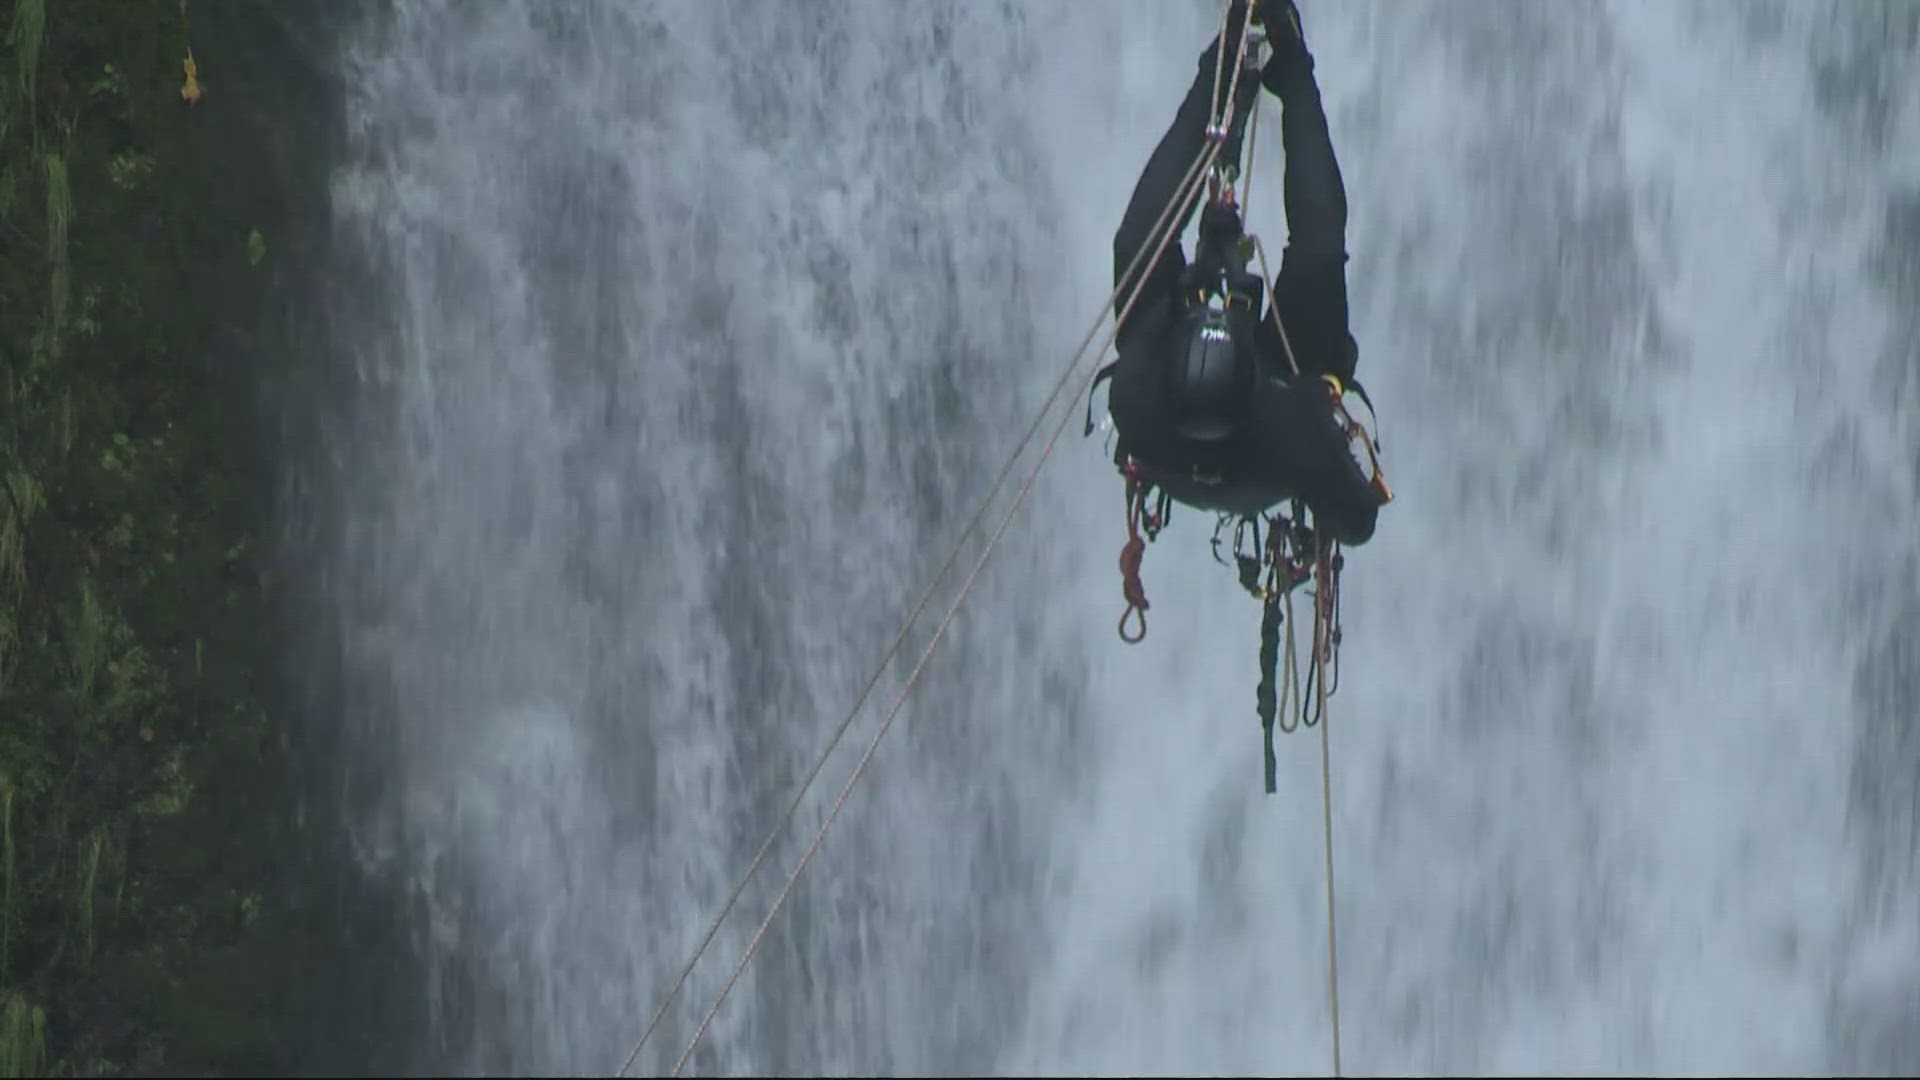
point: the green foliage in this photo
(136, 934)
(130, 168)
(9, 889)
(26, 37)
(23, 1037)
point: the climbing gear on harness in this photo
(1360, 442)
(1210, 384)
(1139, 519)
(1270, 568)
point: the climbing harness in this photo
(1270, 569)
(1146, 516)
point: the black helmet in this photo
(1211, 376)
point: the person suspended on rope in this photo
(1212, 402)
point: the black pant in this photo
(1291, 448)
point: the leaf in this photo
(256, 248)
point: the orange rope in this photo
(1130, 558)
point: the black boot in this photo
(1230, 40)
(1290, 69)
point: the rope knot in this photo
(1135, 592)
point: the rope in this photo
(1267, 705)
(886, 724)
(1184, 197)
(1253, 144)
(1223, 124)
(1286, 343)
(846, 722)
(1130, 557)
(1326, 597)
(1326, 632)
(1291, 719)
(1327, 562)
(866, 758)
(1219, 128)
(1190, 187)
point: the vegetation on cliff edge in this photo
(138, 816)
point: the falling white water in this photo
(1593, 751)
(694, 332)
(681, 337)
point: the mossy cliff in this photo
(150, 222)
